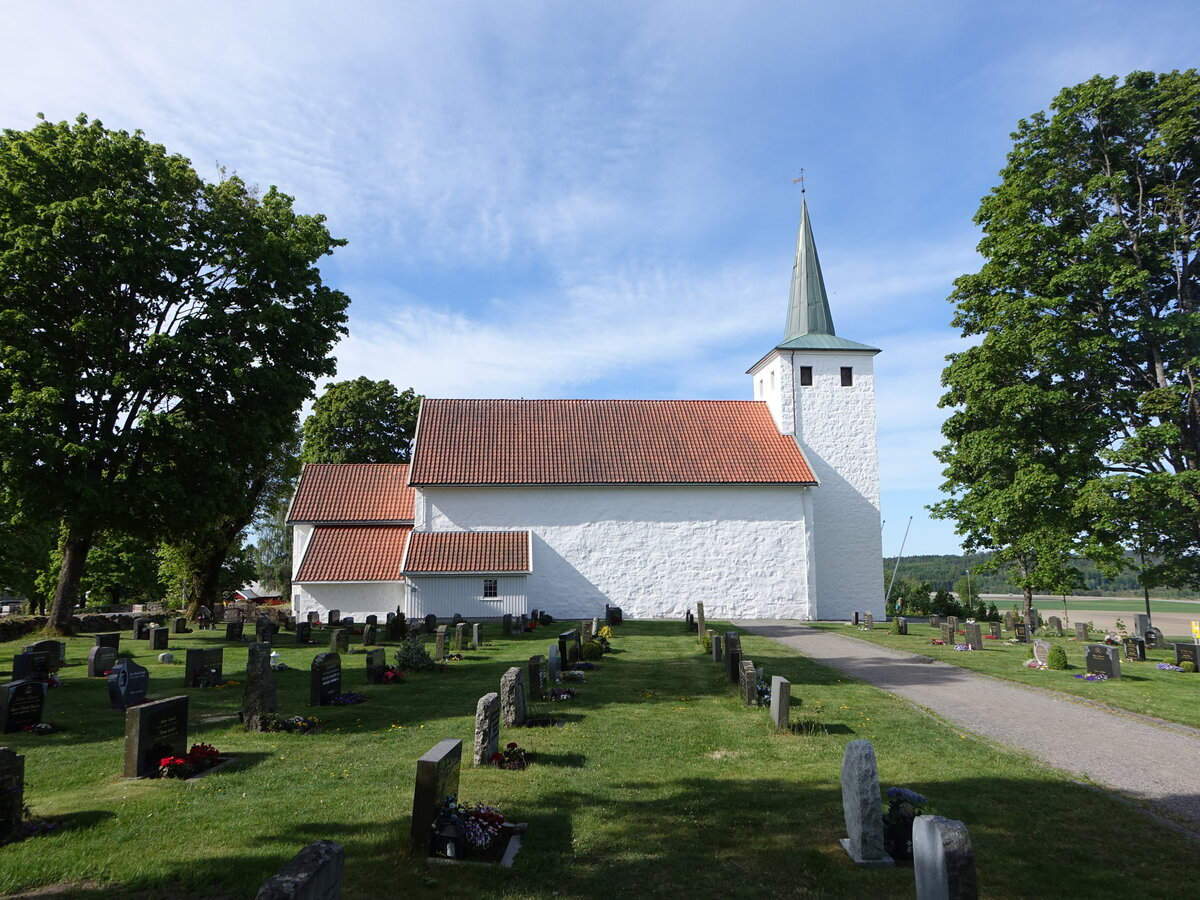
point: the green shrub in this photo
(1057, 658)
(707, 642)
(895, 626)
(412, 656)
(1029, 651)
(592, 651)
(1188, 666)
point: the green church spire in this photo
(808, 308)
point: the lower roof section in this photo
(469, 553)
(354, 553)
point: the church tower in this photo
(820, 389)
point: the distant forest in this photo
(943, 572)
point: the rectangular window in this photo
(847, 376)
(806, 376)
(490, 587)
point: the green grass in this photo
(660, 784)
(1142, 688)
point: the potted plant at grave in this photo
(466, 831)
(903, 807)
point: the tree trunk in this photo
(75, 552)
(1032, 626)
(207, 580)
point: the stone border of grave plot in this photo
(225, 762)
(513, 830)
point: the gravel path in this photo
(1150, 761)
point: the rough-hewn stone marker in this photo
(315, 873)
(733, 656)
(152, 731)
(943, 860)
(749, 683)
(585, 631)
(781, 701)
(1054, 623)
(460, 634)
(487, 729)
(12, 792)
(512, 698)
(869, 621)
(258, 693)
(862, 807)
(437, 776)
(339, 640)
(439, 644)
(701, 627)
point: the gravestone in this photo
(110, 639)
(947, 633)
(12, 792)
(994, 629)
(901, 625)
(974, 635)
(1135, 649)
(234, 630)
(568, 646)
(56, 650)
(689, 621)
(862, 807)
(347, 622)
(372, 619)
(265, 630)
(1081, 631)
(179, 625)
(781, 701)
(289, 623)
(204, 618)
(1009, 620)
(127, 684)
(613, 615)
(1041, 651)
(506, 625)
(334, 619)
(430, 623)
(1141, 622)
(585, 631)
(437, 778)
(439, 644)
(869, 621)
(456, 619)
(368, 635)
(943, 860)
(749, 683)
(1054, 623)
(258, 692)
(701, 627)
(339, 640)
(476, 636)
(1022, 632)
(158, 637)
(1033, 620)
(202, 667)
(324, 679)
(487, 729)
(460, 634)
(315, 873)
(537, 678)
(553, 664)
(1187, 653)
(313, 618)
(303, 632)
(21, 703)
(140, 625)
(935, 622)
(152, 731)
(1103, 659)
(1154, 638)
(952, 621)
(733, 656)
(512, 698)
(855, 620)
(716, 646)
(31, 665)
(100, 661)
(376, 665)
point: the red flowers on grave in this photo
(200, 758)
(392, 675)
(512, 757)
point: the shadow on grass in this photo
(560, 760)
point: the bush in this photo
(895, 626)
(412, 656)
(1188, 666)
(592, 651)
(707, 642)
(1057, 658)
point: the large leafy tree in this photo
(157, 332)
(1076, 423)
(361, 421)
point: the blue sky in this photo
(576, 198)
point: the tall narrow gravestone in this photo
(460, 634)
(12, 792)
(1141, 622)
(258, 693)
(701, 627)
(21, 704)
(943, 860)
(324, 679)
(749, 683)
(127, 684)
(862, 807)
(487, 729)
(437, 778)
(716, 646)
(203, 667)
(152, 731)
(553, 664)
(376, 665)
(733, 656)
(506, 625)
(476, 636)
(537, 678)
(439, 644)
(512, 698)
(781, 701)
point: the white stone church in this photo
(763, 508)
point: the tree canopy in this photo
(361, 421)
(158, 334)
(1076, 416)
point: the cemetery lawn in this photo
(1142, 688)
(659, 784)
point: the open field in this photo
(660, 783)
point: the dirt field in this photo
(1172, 624)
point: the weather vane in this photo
(800, 181)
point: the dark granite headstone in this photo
(376, 664)
(1033, 620)
(1135, 649)
(537, 677)
(204, 617)
(347, 621)
(1187, 653)
(140, 626)
(21, 704)
(303, 632)
(258, 692)
(476, 636)
(179, 625)
(372, 619)
(31, 665)
(234, 630)
(1081, 631)
(1103, 659)
(57, 651)
(289, 623)
(339, 640)
(855, 621)
(265, 630)
(568, 646)
(733, 656)
(12, 792)
(974, 635)
(153, 731)
(158, 637)
(506, 625)
(127, 684)
(111, 639)
(335, 618)
(325, 679)
(456, 618)
(203, 667)
(100, 661)
(437, 778)
(430, 623)
(1154, 638)
(368, 638)
(313, 618)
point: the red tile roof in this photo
(461, 442)
(354, 553)
(353, 492)
(468, 551)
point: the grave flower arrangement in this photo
(1034, 664)
(1093, 676)
(962, 646)
(392, 675)
(463, 830)
(39, 728)
(1167, 667)
(349, 698)
(571, 675)
(291, 724)
(511, 757)
(560, 693)
(903, 806)
(200, 758)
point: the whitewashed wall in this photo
(445, 595)
(652, 550)
(354, 598)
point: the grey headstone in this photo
(315, 873)
(701, 626)
(127, 684)
(901, 625)
(460, 633)
(947, 632)
(1141, 622)
(100, 661)
(335, 618)
(935, 622)
(437, 777)
(512, 698)
(1054, 623)
(974, 635)
(952, 621)
(159, 638)
(339, 640)
(585, 631)
(1103, 659)
(439, 644)
(1009, 620)
(943, 860)
(21, 704)
(476, 636)
(716, 647)
(1081, 631)
(553, 664)
(506, 625)
(152, 731)
(324, 679)
(862, 807)
(781, 701)
(203, 667)
(376, 665)
(537, 678)
(368, 638)
(487, 729)
(258, 691)
(869, 621)
(994, 629)
(1041, 651)
(1154, 638)
(1033, 619)
(749, 683)
(167, 657)
(12, 792)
